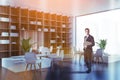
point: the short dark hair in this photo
(87, 29)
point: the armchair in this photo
(31, 60)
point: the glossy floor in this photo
(69, 71)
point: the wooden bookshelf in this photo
(45, 29)
(4, 31)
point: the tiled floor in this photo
(69, 71)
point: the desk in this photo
(18, 64)
(51, 56)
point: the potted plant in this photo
(26, 45)
(102, 43)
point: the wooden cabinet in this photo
(45, 29)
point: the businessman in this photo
(88, 44)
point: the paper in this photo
(86, 43)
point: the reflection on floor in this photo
(69, 71)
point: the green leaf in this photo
(26, 45)
(102, 43)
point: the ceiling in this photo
(67, 7)
(82, 7)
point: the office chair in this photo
(98, 55)
(31, 60)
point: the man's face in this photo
(87, 32)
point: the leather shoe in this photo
(88, 71)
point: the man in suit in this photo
(88, 44)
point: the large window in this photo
(103, 25)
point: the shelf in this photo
(14, 26)
(24, 12)
(40, 15)
(4, 18)
(32, 14)
(46, 22)
(46, 16)
(24, 20)
(14, 50)
(59, 17)
(1, 51)
(39, 28)
(53, 23)
(39, 22)
(15, 11)
(4, 28)
(32, 27)
(46, 29)
(4, 14)
(4, 10)
(14, 19)
(24, 27)
(53, 17)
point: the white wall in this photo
(105, 25)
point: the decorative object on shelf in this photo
(13, 42)
(4, 19)
(58, 36)
(4, 41)
(45, 29)
(14, 34)
(39, 29)
(52, 41)
(4, 34)
(39, 23)
(32, 22)
(52, 30)
(13, 27)
(63, 25)
(22, 28)
(63, 41)
(26, 45)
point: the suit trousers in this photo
(88, 57)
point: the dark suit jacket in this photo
(90, 39)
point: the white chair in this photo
(40, 49)
(58, 51)
(44, 50)
(62, 54)
(51, 49)
(98, 55)
(77, 53)
(31, 60)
